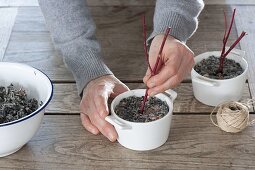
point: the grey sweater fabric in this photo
(73, 32)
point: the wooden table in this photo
(62, 142)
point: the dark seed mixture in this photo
(129, 109)
(14, 104)
(209, 68)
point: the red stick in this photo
(144, 43)
(225, 34)
(230, 26)
(154, 71)
(234, 44)
(161, 49)
(225, 39)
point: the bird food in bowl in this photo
(24, 94)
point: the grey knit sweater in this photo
(73, 32)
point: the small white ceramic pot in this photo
(213, 92)
(15, 134)
(142, 136)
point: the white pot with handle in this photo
(142, 135)
(212, 91)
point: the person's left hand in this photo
(94, 106)
(176, 63)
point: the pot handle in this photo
(204, 81)
(117, 123)
(170, 93)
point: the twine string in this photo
(233, 116)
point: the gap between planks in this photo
(194, 143)
(66, 100)
(30, 40)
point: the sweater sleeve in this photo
(73, 32)
(180, 15)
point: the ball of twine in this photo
(233, 116)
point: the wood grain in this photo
(194, 143)
(11, 3)
(31, 42)
(229, 2)
(17, 3)
(7, 23)
(245, 22)
(66, 100)
(62, 142)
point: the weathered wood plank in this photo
(7, 23)
(16, 3)
(245, 22)
(11, 3)
(31, 43)
(66, 99)
(121, 3)
(194, 143)
(229, 2)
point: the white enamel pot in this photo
(138, 135)
(213, 92)
(15, 134)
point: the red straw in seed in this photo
(225, 39)
(154, 70)
(235, 43)
(144, 43)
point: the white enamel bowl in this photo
(142, 136)
(15, 134)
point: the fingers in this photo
(118, 89)
(94, 104)
(152, 60)
(101, 105)
(88, 125)
(103, 126)
(170, 69)
(166, 85)
(147, 76)
(173, 81)
(101, 98)
(95, 120)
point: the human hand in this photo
(176, 63)
(94, 107)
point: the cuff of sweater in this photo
(89, 67)
(181, 28)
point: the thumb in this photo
(101, 98)
(147, 75)
(119, 88)
(153, 62)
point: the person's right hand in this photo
(94, 107)
(175, 64)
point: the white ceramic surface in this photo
(142, 136)
(213, 92)
(14, 135)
